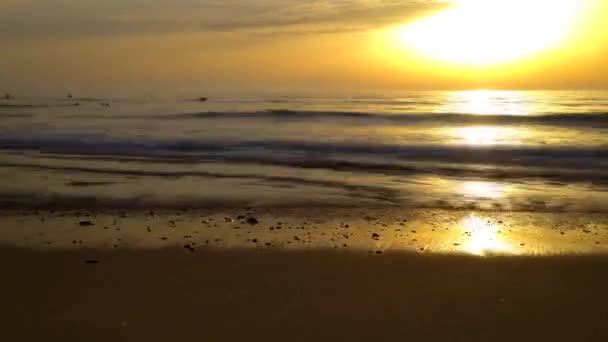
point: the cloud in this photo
(27, 19)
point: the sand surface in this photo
(359, 229)
(542, 278)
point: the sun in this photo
(488, 32)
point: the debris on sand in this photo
(92, 261)
(252, 221)
(189, 247)
(375, 236)
(86, 223)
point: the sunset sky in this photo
(152, 45)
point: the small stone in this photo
(379, 252)
(86, 223)
(252, 221)
(375, 236)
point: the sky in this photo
(139, 46)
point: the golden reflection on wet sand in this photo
(370, 230)
(484, 237)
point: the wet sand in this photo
(353, 229)
(131, 285)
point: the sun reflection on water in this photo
(484, 237)
(489, 102)
(477, 189)
(479, 135)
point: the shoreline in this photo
(302, 274)
(358, 229)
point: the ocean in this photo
(482, 150)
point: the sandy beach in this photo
(325, 274)
(327, 170)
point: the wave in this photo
(598, 119)
(554, 176)
(551, 163)
(371, 191)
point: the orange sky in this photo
(183, 45)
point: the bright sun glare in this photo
(486, 32)
(484, 237)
